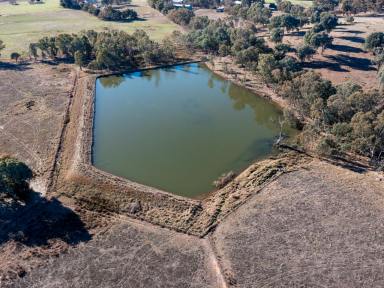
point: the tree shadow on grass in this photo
(349, 31)
(324, 65)
(354, 39)
(361, 64)
(345, 48)
(14, 66)
(40, 220)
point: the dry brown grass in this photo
(315, 227)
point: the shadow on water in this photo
(40, 220)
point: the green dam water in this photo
(180, 128)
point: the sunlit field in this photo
(25, 23)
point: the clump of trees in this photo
(248, 50)
(14, 177)
(349, 7)
(110, 49)
(181, 16)
(319, 36)
(111, 14)
(287, 22)
(341, 119)
(106, 12)
(164, 6)
(253, 11)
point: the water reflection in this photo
(111, 81)
(264, 114)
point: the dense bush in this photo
(181, 16)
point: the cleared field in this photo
(24, 23)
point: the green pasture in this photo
(25, 23)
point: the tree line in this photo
(110, 49)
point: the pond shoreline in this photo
(252, 82)
(89, 188)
